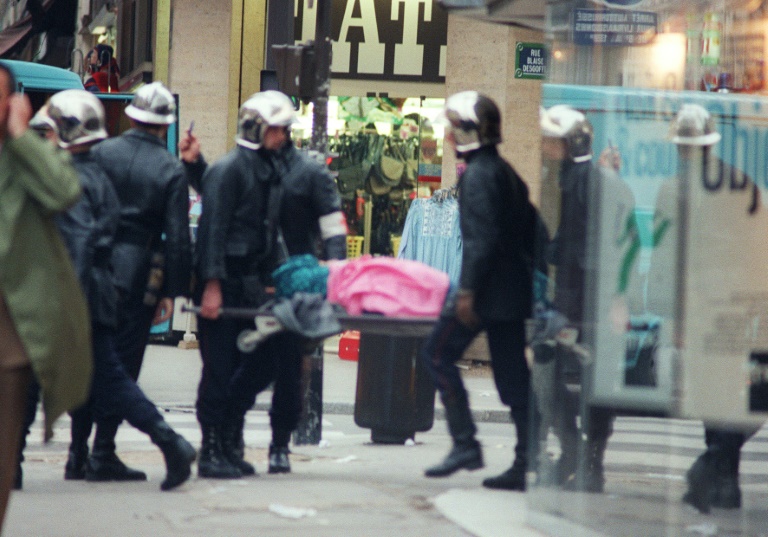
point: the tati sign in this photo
(382, 39)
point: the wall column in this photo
(481, 57)
(246, 56)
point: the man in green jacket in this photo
(44, 324)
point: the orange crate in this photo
(349, 345)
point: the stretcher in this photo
(267, 324)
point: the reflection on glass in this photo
(651, 337)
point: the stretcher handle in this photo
(231, 313)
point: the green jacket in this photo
(37, 280)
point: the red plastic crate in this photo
(349, 345)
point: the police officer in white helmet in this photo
(88, 229)
(713, 479)
(592, 199)
(262, 191)
(153, 234)
(497, 225)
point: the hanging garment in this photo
(432, 235)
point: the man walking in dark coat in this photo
(88, 230)
(152, 236)
(497, 225)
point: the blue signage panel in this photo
(613, 27)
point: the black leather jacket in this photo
(591, 196)
(492, 200)
(154, 196)
(88, 229)
(309, 193)
(232, 224)
(235, 198)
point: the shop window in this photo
(135, 38)
(384, 153)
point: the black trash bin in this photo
(395, 397)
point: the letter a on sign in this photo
(370, 57)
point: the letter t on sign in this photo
(409, 56)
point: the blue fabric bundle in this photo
(301, 273)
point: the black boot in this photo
(76, 462)
(80, 430)
(233, 447)
(594, 475)
(104, 464)
(701, 477)
(178, 453)
(212, 462)
(725, 492)
(278, 459)
(514, 477)
(466, 452)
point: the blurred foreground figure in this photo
(713, 480)
(43, 315)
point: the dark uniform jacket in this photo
(594, 201)
(232, 228)
(494, 212)
(154, 198)
(309, 192)
(236, 191)
(88, 229)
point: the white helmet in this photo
(41, 122)
(693, 125)
(265, 109)
(153, 104)
(473, 119)
(78, 116)
(562, 121)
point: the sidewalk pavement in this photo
(339, 383)
(345, 486)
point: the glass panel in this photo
(650, 318)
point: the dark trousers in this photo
(506, 341)
(231, 379)
(132, 334)
(130, 341)
(728, 444)
(114, 394)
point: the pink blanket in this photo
(393, 287)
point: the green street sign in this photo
(531, 60)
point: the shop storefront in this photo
(384, 153)
(388, 76)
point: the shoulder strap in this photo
(275, 239)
